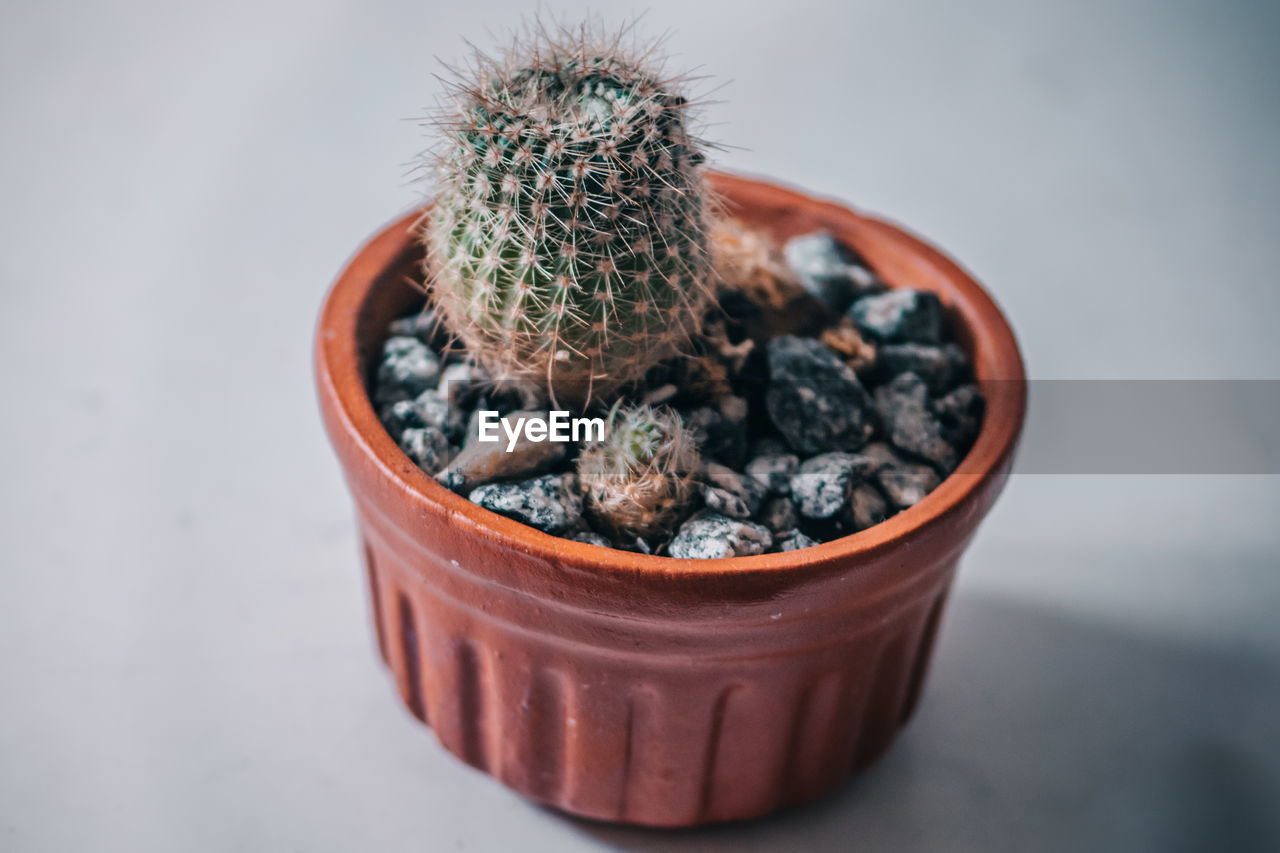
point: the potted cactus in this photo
(720, 596)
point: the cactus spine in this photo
(567, 246)
(638, 480)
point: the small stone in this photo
(550, 503)
(904, 482)
(778, 514)
(728, 440)
(901, 315)
(961, 370)
(880, 455)
(820, 488)
(462, 382)
(724, 502)
(425, 326)
(590, 537)
(829, 270)
(434, 410)
(907, 484)
(867, 506)
(815, 399)
(935, 365)
(398, 346)
(728, 480)
(720, 429)
(482, 462)
(400, 416)
(427, 447)
(453, 481)
(960, 412)
(708, 536)
(408, 368)
(910, 423)
(794, 540)
(772, 472)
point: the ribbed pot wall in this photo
(640, 721)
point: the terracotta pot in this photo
(651, 690)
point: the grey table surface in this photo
(185, 656)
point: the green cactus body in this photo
(638, 480)
(567, 245)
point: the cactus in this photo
(638, 479)
(567, 246)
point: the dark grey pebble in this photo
(960, 412)
(901, 315)
(427, 447)
(435, 410)
(720, 428)
(909, 421)
(425, 326)
(772, 471)
(829, 270)
(708, 536)
(550, 503)
(400, 416)
(794, 540)
(815, 399)
(407, 369)
(935, 365)
(820, 487)
(903, 481)
(462, 383)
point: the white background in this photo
(185, 656)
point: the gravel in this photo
(772, 472)
(407, 369)
(426, 446)
(801, 442)
(935, 365)
(820, 487)
(550, 503)
(829, 270)
(725, 502)
(910, 423)
(707, 536)
(960, 413)
(794, 541)
(901, 315)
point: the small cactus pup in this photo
(567, 246)
(638, 480)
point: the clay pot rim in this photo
(998, 364)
